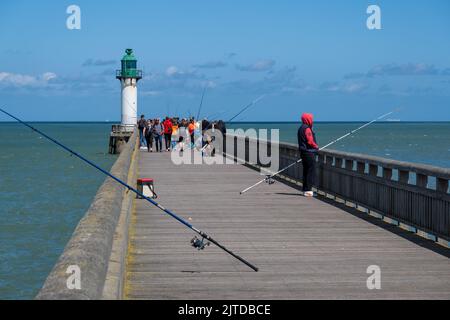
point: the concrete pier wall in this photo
(91, 265)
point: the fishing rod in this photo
(247, 106)
(201, 103)
(197, 243)
(216, 114)
(269, 178)
(240, 112)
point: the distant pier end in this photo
(128, 75)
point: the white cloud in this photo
(210, 84)
(172, 70)
(47, 76)
(17, 79)
(174, 81)
(211, 65)
(98, 62)
(330, 86)
(354, 87)
(150, 93)
(262, 65)
(409, 69)
(394, 69)
(24, 80)
(285, 80)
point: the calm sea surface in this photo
(414, 142)
(43, 194)
(44, 191)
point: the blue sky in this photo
(315, 56)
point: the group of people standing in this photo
(154, 131)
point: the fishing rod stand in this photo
(269, 179)
(199, 244)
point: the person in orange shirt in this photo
(174, 136)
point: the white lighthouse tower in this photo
(129, 75)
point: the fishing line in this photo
(247, 106)
(201, 104)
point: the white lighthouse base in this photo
(129, 102)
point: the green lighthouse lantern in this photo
(129, 67)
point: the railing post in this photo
(441, 185)
(247, 149)
(421, 180)
(235, 147)
(224, 143)
(258, 160)
(320, 158)
(373, 170)
(387, 173)
(349, 164)
(319, 170)
(338, 162)
(360, 167)
(403, 176)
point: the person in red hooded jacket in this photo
(168, 127)
(308, 150)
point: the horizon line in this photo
(237, 122)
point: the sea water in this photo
(44, 192)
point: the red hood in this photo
(307, 118)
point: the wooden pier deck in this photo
(305, 248)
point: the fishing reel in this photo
(199, 244)
(269, 179)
